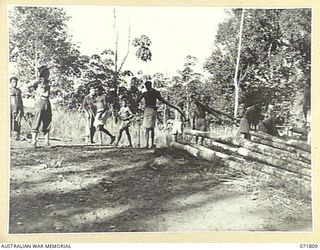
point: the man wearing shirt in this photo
(42, 106)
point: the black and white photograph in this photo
(159, 119)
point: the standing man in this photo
(150, 112)
(177, 126)
(126, 118)
(199, 115)
(102, 114)
(16, 108)
(42, 111)
(90, 109)
(251, 116)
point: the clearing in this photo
(76, 188)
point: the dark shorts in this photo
(263, 128)
(42, 116)
(200, 124)
(15, 121)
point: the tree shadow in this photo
(134, 195)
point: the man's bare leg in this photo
(119, 136)
(34, 139)
(102, 129)
(147, 137)
(100, 136)
(46, 139)
(129, 136)
(152, 138)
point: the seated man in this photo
(268, 126)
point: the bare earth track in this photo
(106, 189)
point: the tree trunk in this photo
(299, 130)
(253, 156)
(259, 170)
(266, 150)
(191, 150)
(297, 144)
(235, 80)
(247, 167)
(298, 154)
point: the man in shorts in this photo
(126, 118)
(199, 116)
(177, 126)
(150, 112)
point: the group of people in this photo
(42, 107)
(97, 110)
(253, 117)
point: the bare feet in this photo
(112, 139)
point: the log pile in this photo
(264, 155)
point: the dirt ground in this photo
(105, 189)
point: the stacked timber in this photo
(264, 156)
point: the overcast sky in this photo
(175, 32)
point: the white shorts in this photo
(177, 127)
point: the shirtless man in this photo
(149, 120)
(89, 107)
(101, 116)
(126, 119)
(199, 116)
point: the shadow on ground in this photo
(103, 189)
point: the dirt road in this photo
(104, 189)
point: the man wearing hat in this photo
(16, 107)
(42, 106)
(90, 109)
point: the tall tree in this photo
(274, 58)
(39, 35)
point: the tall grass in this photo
(70, 125)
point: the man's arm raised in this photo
(161, 99)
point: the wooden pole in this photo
(254, 156)
(235, 79)
(297, 144)
(247, 167)
(258, 170)
(298, 154)
(266, 150)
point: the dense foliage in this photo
(274, 64)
